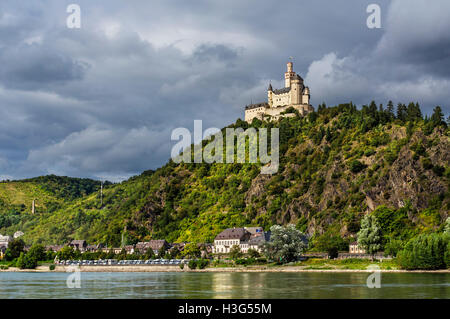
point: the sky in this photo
(101, 101)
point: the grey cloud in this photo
(102, 100)
(33, 67)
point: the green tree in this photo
(393, 247)
(438, 117)
(26, 261)
(331, 244)
(286, 244)
(149, 254)
(66, 253)
(390, 110)
(15, 247)
(253, 253)
(356, 166)
(235, 252)
(162, 253)
(425, 251)
(413, 113)
(401, 112)
(369, 236)
(37, 251)
(192, 264)
(191, 250)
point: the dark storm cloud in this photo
(33, 67)
(101, 101)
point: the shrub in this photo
(192, 264)
(356, 166)
(438, 170)
(426, 163)
(369, 152)
(26, 261)
(52, 267)
(245, 261)
(181, 266)
(202, 263)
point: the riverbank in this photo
(168, 268)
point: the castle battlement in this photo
(294, 95)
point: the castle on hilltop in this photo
(294, 95)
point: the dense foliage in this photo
(426, 251)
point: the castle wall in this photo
(281, 99)
(305, 99)
(252, 113)
(275, 113)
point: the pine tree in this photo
(390, 110)
(438, 117)
(413, 112)
(401, 112)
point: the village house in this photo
(80, 245)
(94, 248)
(155, 244)
(244, 237)
(354, 248)
(54, 248)
(179, 246)
(115, 250)
(129, 249)
(4, 240)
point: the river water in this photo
(223, 285)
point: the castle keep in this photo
(294, 95)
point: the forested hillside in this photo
(337, 164)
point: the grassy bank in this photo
(347, 264)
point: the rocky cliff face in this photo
(405, 181)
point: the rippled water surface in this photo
(224, 285)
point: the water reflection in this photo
(224, 285)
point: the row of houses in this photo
(244, 237)
(141, 247)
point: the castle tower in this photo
(269, 95)
(288, 75)
(306, 95)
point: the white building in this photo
(354, 248)
(244, 237)
(4, 240)
(294, 95)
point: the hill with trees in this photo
(336, 165)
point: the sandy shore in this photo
(166, 268)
